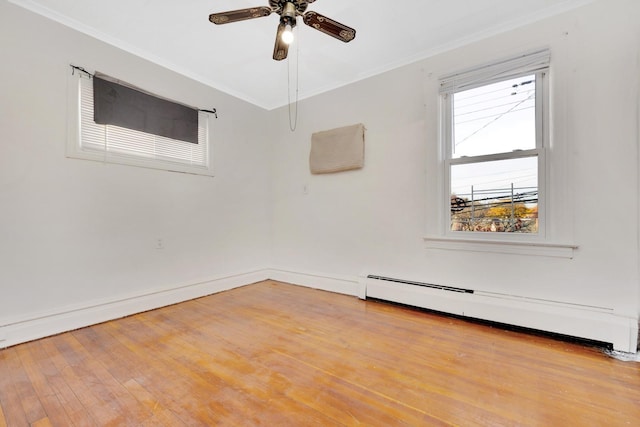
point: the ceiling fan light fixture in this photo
(289, 10)
(287, 34)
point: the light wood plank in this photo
(14, 413)
(3, 420)
(58, 382)
(38, 367)
(44, 422)
(277, 354)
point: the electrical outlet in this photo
(159, 244)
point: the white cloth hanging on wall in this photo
(337, 150)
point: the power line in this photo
(490, 107)
(494, 115)
(464, 105)
(496, 119)
(499, 86)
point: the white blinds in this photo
(120, 143)
(526, 63)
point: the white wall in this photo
(374, 220)
(77, 234)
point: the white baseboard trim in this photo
(593, 323)
(567, 319)
(39, 325)
(339, 285)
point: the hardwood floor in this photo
(273, 354)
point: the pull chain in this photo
(293, 122)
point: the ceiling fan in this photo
(288, 10)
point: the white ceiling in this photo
(236, 58)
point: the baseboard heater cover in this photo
(424, 285)
(591, 323)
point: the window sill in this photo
(96, 156)
(555, 250)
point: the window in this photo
(114, 144)
(493, 135)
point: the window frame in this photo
(77, 150)
(555, 236)
(542, 136)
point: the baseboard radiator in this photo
(423, 284)
(571, 319)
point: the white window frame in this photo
(532, 63)
(86, 148)
(538, 151)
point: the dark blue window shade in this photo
(123, 106)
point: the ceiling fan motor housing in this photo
(280, 6)
(288, 14)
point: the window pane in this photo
(496, 196)
(496, 118)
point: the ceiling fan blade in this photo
(329, 26)
(239, 15)
(281, 49)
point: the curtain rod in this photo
(82, 70)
